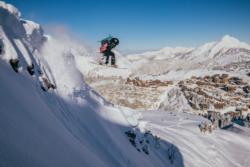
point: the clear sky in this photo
(144, 24)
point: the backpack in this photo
(108, 43)
(114, 42)
(104, 47)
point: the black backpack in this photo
(114, 42)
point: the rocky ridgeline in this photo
(148, 83)
(237, 66)
(147, 142)
(216, 92)
(132, 93)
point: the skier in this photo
(107, 45)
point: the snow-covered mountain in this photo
(161, 54)
(225, 51)
(203, 52)
(50, 116)
(69, 125)
(226, 56)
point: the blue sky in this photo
(144, 24)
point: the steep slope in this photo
(229, 147)
(31, 134)
(69, 125)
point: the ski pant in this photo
(107, 54)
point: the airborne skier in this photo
(107, 45)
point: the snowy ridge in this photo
(20, 38)
(217, 50)
(10, 8)
(173, 100)
(67, 126)
(163, 53)
(225, 51)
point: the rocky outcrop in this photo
(132, 93)
(174, 100)
(235, 66)
(147, 83)
(216, 92)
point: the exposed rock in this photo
(235, 80)
(30, 69)
(14, 64)
(206, 93)
(203, 106)
(193, 77)
(216, 78)
(46, 84)
(148, 83)
(174, 100)
(246, 88)
(133, 93)
(219, 105)
(229, 88)
(224, 78)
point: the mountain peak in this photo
(10, 8)
(230, 42)
(228, 38)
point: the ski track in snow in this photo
(216, 149)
